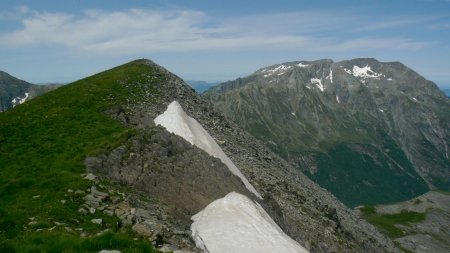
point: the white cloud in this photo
(15, 14)
(400, 21)
(394, 43)
(145, 31)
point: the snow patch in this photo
(176, 121)
(348, 71)
(389, 79)
(415, 99)
(381, 110)
(280, 70)
(330, 76)
(365, 72)
(20, 100)
(235, 223)
(318, 83)
(337, 99)
(301, 65)
(293, 113)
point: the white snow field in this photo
(176, 121)
(237, 224)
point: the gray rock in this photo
(98, 194)
(92, 163)
(142, 230)
(97, 221)
(90, 177)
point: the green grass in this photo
(51, 242)
(43, 146)
(386, 222)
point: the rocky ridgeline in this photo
(171, 180)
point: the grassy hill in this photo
(43, 144)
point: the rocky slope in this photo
(143, 178)
(14, 91)
(369, 132)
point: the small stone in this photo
(63, 201)
(59, 223)
(36, 196)
(98, 194)
(109, 251)
(82, 210)
(68, 229)
(91, 210)
(97, 221)
(90, 177)
(69, 190)
(108, 212)
(79, 192)
(167, 248)
(32, 223)
(50, 229)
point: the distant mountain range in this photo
(14, 91)
(201, 86)
(370, 132)
(447, 91)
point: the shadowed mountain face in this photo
(14, 91)
(370, 132)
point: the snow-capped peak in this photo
(235, 223)
(176, 121)
(279, 70)
(302, 65)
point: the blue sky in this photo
(62, 41)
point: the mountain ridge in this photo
(302, 110)
(143, 178)
(14, 91)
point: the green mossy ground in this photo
(386, 222)
(43, 144)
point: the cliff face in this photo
(369, 132)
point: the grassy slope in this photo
(43, 145)
(386, 222)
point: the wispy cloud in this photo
(145, 31)
(400, 21)
(394, 43)
(15, 14)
